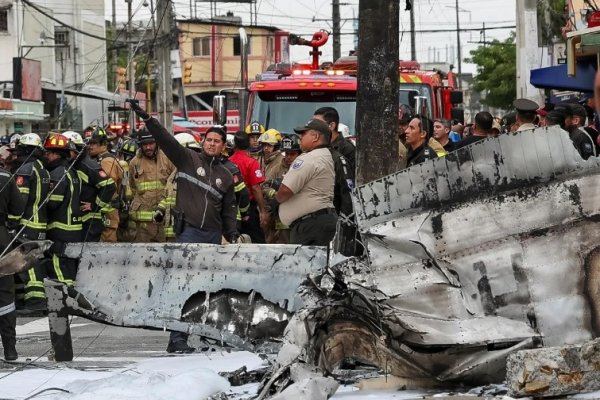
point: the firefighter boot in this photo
(9, 335)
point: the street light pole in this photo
(131, 70)
(458, 49)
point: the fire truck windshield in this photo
(409, 91)
(285, 110)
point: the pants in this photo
(62, 269)
(317, 230)
(149, 232)
(92, 230)
(8, 313)
(191, 234)
(111, 224)
(251, 227)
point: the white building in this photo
(68, 38)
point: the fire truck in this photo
(286, 96)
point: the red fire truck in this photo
(285, 96)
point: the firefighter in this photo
(10, 204)
(271, 161)
(126, 231)
(97, 188)
(33, 182)
(148, 174)
(280, 233)
(64, 209)
(97, 147)
(254, 130)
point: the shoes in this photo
(180, 347)
(10, 353)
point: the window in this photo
(3, 20)
(61, 37)
(201, 46)
(237, 46)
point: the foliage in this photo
(496, 72)
(551, 19)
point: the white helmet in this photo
(344, 130)
(74, 138)
(187, 140)
(28, 139)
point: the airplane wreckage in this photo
(470, 257)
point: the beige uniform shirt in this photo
(526, 127)
(311, 179)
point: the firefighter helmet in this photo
(129, 148)
(271, 136)
(291, 143)
(75, 140)
(187, 140)
(97, 135)
(28, 139)
(57, 142)
(255, 128)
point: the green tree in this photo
(496, 72)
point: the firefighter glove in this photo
(135, 106)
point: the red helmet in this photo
(56, 142)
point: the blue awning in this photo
(556, 78)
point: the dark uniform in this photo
(33, 182)
(98, 189)
(242, 194)
(347, 149)
(64, 213)
(10, 203)
(205, 205)
(419, 155)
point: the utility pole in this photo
(413, 40)
(337, 52)
(458, 50)
(377, 94)
(131, 69)
(113, 64)
(164, 97)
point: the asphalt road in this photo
(94, 345)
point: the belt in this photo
(323, 211)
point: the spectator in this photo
(526, 114)
(417, 136)
(481, 129)
(441, 130)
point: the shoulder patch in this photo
(258, 173)
(20, 180)
(297, 164)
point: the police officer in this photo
(306, 192)
(10, 203)
(205, 206)
(64, 209)
(338, 142)
(97, 147)
(526, 113)
(97, 188)
(33, 181)
(148, 174)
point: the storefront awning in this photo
(556, 78)
(182, 125)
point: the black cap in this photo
(525, 105)
(314, 124)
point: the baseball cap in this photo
(314, 124)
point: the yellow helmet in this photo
(271, 136)
(255, 128)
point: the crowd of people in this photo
(256, 185)
(423, 139)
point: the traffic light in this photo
(121, 78)
(187, 73)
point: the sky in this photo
(304, 17)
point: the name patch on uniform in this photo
(258, 173)
(297, 164)
(20, 181)
(201, 171)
